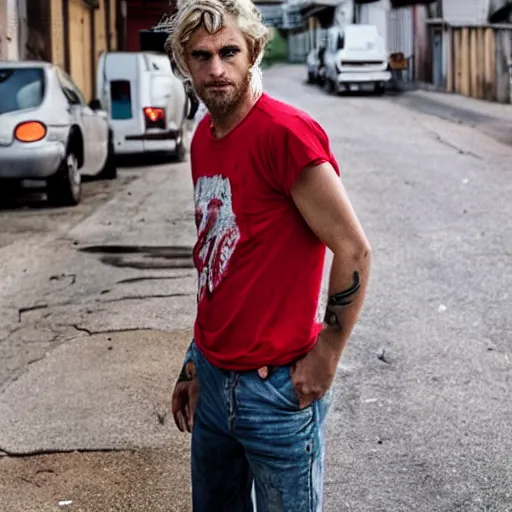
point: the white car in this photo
(49, 133)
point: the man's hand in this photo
(312, 376)
(185, 396)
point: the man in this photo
(254, 389)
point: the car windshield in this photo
(21, 88)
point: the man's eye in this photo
(230, 52)
(201, 56)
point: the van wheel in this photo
(180, 153)
(329, 86)
(109, 171)
(65, 187)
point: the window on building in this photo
(21, 88)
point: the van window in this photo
(121, 99)
(21, 88)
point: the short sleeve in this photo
(297, 143)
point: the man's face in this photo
(219, 67)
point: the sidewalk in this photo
(493, 119)
(90, 345)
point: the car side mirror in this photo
(95, 105)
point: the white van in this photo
(356, 59)
(146, 103)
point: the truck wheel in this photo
(109, 171)
(65, 187)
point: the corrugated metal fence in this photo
(400, 37)
(481, 62)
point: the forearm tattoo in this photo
(341, 300)
(188, 370)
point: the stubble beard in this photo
(222, 104)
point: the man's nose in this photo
(216, 66)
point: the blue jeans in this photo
(247, 430)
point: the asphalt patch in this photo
(143, 257)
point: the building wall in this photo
(422, 53)
(376, 14)
(9, 47)
(3, 29)
(80, 33)
(400, 33)
(81, 46)
(113, 36)
(465, 12)
(57, 33)
(141, 16)
(38, 42)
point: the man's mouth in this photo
(219, 85)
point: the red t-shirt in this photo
(259, 264)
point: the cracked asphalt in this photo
(97, 305)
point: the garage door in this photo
(80, 46)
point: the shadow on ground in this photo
(145, 160)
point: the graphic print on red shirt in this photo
(218, 232)
(259, 264)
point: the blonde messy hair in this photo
(192, 14)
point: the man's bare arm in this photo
(323, 202)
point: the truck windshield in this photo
(21, 88)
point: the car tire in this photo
(65, 187)
(109, 170)
(311, 77)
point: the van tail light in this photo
(31, 131)
(155, 117)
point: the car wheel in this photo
(109, 171)
(311, 77)
(65, 187)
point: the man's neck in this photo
(222, 125)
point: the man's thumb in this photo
(263, 372)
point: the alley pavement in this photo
(97, 306)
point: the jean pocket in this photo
(281, 387)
